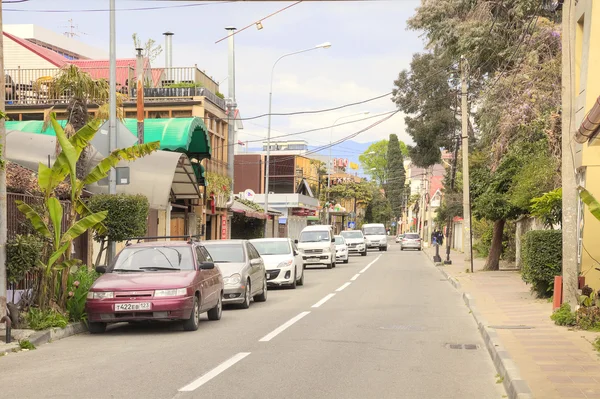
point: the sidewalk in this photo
(554, 361)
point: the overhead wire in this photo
(148, 8)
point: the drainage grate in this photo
(463, 346)
(519, 327)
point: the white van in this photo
(375, 236)
(317, 245)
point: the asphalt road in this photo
(378, 327)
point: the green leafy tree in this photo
(548, 208)
(394, 190)
(374, 160)
(50, 224)
(379, 209)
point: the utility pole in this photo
(3, 218)
(140, 95)
(429, 221)
(231, 106)
(452, 180)
(112, 115)
(422, 208)
(467, 233)
(570, 267)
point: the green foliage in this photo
(220, 95)
(590, 201)
(482, 236)
(149, 48)
(588, 299)
(394, 189)
(548, 208)
(26, 344)
(588, 318)
(251, 204)
(374, 160)
(596, 344)
(24, 254)
(43, 319)
(78, 286)
(183, 85)
(564, 316)
(362, 191)
(127, 215)
(379, 209)
(246, 228)
(542, 260)
(218, 184)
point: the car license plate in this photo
(129, 307)
(313, 259)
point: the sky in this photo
(370, 46)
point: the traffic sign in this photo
(351, 225)
(393, 224)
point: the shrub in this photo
(127, 215)
(564, 316)
(42, 319)
(542, 260)
(23, 253)
(483, 231)
(597, 344)
(588, 318)
(79, 284)
(26, 344)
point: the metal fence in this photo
(17, 222)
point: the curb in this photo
(53, 334)
(516, 387)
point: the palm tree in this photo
(81, 90)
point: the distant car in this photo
(376, 236)
(399, 238)
(355, 240)
(317, 245)
(341, 249)
(282, 261)
(411, 241)
(244, 273)
(163, 281)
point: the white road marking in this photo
(282, 327)
(355, 277)
(370, 264)
(214, 372)
(322, 301)
(343, 286)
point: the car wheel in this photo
(364, 253)
(193, 322)
(96, 328)
(216, 312)
(329, 266)
(262, 297)
(346, 260)
(301, 281)
(401, 249)
(246, 303)
(293, 284)
(334, 264)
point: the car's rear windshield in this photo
(411, 236)
(226, 253)
(159, 258)
(352, 234)
(374, 231)
(272, 247)
(314, 236)
(339, 240)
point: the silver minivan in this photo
(317, 245)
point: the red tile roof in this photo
(156, 75)
(99, 69)
(49, 55)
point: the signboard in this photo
(249, 195)
(303, 212)
(351, 225)
(353, 166)
(223, 228)
(393, 224)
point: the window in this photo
(154, 258)
(253, 252)
(226, 253)
(352, 234)
(374, 231)
(339, 240)
(314, 236)
(272, 247)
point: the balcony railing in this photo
(34, 86)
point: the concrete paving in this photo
(379, 327)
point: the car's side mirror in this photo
(295, 241)
(207, 265)
(101, 269)
(333, 239)
(255, 262)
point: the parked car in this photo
(341, 249)
(355, 240)
(162, 281)
(317, 245)
(399, 238)
(375, 235)
(244, 273)
(411, 241)
(282, 261)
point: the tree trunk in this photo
(493, 259)
(78, 117)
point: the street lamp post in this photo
(323, 45)
(329, 165)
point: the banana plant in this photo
(590, 201)
(48, 180)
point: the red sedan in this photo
(163, 281)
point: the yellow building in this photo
(587, 155)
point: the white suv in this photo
(355, 241)
(317, 245)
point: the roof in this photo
(156, 75)
(239, 207)
(188, 135)
(48, 55)
(99, 69)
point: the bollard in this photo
(6, 320)
(437, 258)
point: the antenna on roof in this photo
(73, 29)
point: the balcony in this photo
(30, 87)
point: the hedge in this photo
(23, 254)
(127, 215)
(542, 260)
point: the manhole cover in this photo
(463, 346)
(519, 327)
(402, 328)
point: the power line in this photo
(149, 8)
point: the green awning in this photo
(188, 135)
